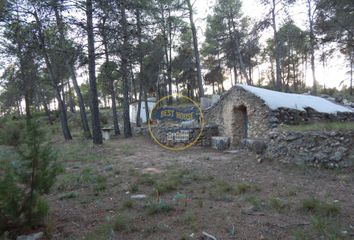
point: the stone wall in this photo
(293, 116)
(318, 148)
(227, 114)
(160, 133)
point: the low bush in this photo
(24, 181)
(10, 133)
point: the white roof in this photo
(275, 100)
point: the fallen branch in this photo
(209, 236)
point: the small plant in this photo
(299, 234)
(69, 195)
(100, 184)
(189, 219)
(255, 201)
(158, 207)
(133, 188)
(121, 222)
(291, 193)
(167, 185)
(25, 181)
(127, 150)
(242, 188)
(146, 179)
(11, 133)
(128, 204)
(278, 204)
(318, 207)
(326, 228)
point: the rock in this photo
(138, 196)
(151, 170)
(205, 103)
(108, 168)
(220, 143)
(320, 156)
(232, 151)
(337, 156)
(255, 145)
(339, 99)
(34, 236)
(293, 136)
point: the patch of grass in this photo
(81, 151)
(172, 180)
(103, 231)
(188, 219)
(278, 204)
(100, 184)
(223, 189)
(133, 188)
(69, 195)
(146, 179)
(242, 188)
(121, 222)
(256, 202)
(87, 177)
(154, 228)
(153, 208)
(126, 150)
(291, 193)
(66, 182)
(326, 228)
(167, 186)
(300, 234)
(320, 126)
(129, 204)
(318, 207)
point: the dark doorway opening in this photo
(240, 124)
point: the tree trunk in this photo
(351, 73)
(111, 83)
(236, 41)
(46, 109)
(196, 50)
(278, 81)
(83, 116)
(96, 129)
(71, 99)
(54, 81)
(124, 62)
(312, 48)
(138, 23)
(70, 68)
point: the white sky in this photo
(335, 70)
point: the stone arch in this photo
(239, 124)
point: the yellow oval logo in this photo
(176, 125)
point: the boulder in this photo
(220, 143)
(33, 236)
(255, 145)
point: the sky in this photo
(335, 71)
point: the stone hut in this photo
(247, 112)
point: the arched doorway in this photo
(240, 124)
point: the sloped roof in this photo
(275, 100)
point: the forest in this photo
(69, 68)
(78, 55)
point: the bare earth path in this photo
(228, 195)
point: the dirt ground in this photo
(227, 195)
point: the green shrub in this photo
(10, 133)
(318, 207)
(121, 222)
(158, 207)
(25, 180)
